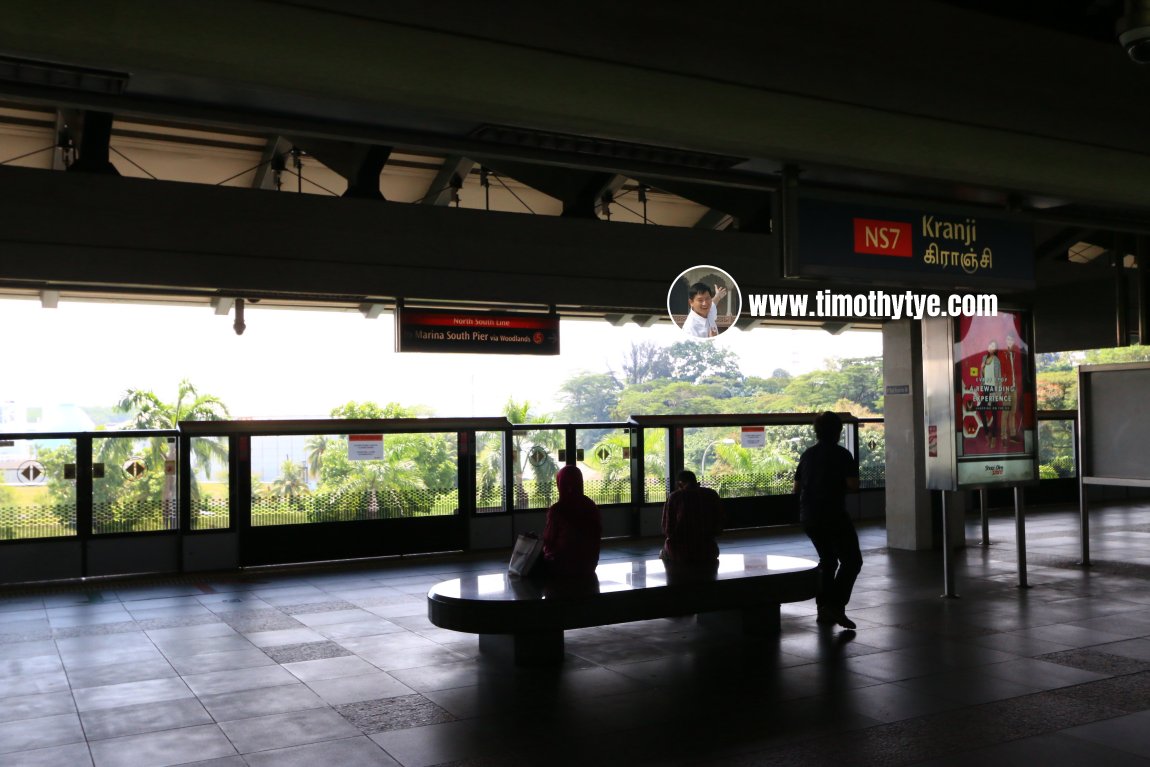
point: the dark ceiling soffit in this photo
(590, 146)
(127, 105)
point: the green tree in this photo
(370, 410)
(315, 447)
(1118, 354)
(646, 361)
(147, 411)
(589, 397)
(533, 453)
(291, 485)
(693, 361)
(417, 471)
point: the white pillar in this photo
(908, 503)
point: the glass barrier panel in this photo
(535, 462)
(210, 489)
(740, 462)
(872, 455)
(1056, 449)
(490, 495)
(341, 478)
(655, 465)
(606, 464)
(134, 487)
(37, 488)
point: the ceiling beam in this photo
(271, 161)
(448, 179)
(360, 164)
(714, 219)
(95, 145)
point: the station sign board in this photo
(919, 246)
(469, 332)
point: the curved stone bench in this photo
(525, 618)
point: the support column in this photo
(909, 522)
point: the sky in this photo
(303, 363)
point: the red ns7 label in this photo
(882, 238)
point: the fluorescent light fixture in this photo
(67, 76)
(1084, 252)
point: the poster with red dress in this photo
(995, 411)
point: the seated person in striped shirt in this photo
(692, 517)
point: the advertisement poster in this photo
(995, 411)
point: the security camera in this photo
(1137, 44)
(1134, 31)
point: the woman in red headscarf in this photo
(574, 529)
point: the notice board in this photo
(1114, 424)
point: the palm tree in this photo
(372, 485)
(150, 412)
(614, 471)
(291, 485)
(752, 466)
(540, 456)
(315, 447)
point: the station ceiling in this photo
(676, 115)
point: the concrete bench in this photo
(524, 619)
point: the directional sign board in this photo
(448, 330)
(31, 473)
(135, 468)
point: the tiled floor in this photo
(339, 668)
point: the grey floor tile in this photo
(372, 716)
(119, 673)
(161, 749)
(329, 668)
(108, 656)
(1040, 674)
(271, 700)
(439, 743)
(1127, 733)
(351, 752)
(280, 637)
(966, 687)
(106, 723)
(352, 689)
(131, 693)
(18, 686)
(182, 648)
(71, 755)
(221, 661)
(295, 728)
(18, 650)
(312, 650)
(36, 706)
(238, 679)
(1055, 750)
(163, 636)
(350, 614)
(370, 626)
(31, 734)
(401, 658)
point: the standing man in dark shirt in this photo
(826, 473)
(692, 517)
